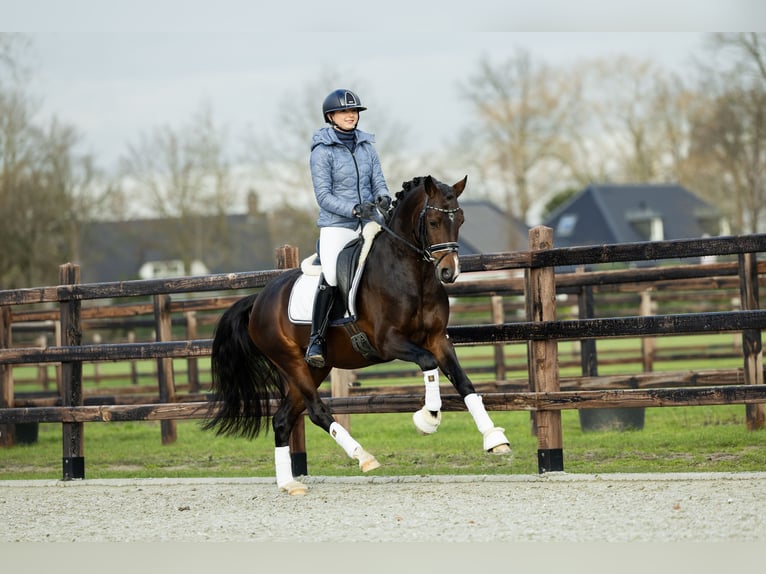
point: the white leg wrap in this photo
(476, 407)
(345, 440)
(433, 398)
(493, 436)
(284, 465)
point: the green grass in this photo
(674, 439)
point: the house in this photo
(487, 229)
(607, 214)
(153, 248)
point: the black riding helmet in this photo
(341, 100)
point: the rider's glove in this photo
(384, 202)
(364, 211)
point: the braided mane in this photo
(407, 186)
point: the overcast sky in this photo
(115, 71)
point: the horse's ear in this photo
(430, 187)
(460, 185)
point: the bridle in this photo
(426, 250)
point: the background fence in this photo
(523, 284)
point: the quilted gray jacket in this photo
(342, 179)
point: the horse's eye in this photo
(433, 224)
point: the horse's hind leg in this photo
(283, 423)
(321, 416)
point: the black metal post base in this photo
(550, 460)
(74, 467)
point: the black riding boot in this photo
(325, 296)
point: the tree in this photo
(44, 184)
(184, 177)
(638, 118)
(729, 129)
(523, 110)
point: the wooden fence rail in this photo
(540, 331)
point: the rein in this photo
(427, 253)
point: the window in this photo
(647, 223)
(566, 225)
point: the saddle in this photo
(349, 269)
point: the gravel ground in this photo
(557, 507)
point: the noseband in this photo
(426, 250)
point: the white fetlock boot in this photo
(426, 422)
(495, 441)
(285, 480)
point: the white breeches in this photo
(331, 241)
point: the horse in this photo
(401, 312)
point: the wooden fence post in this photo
(340, 379)
(498, 318)
(192, 364)
(287, 258)
(166, 381)
(588, 352)
(752, 346)
(541, 292)
(7, 431)
(71, 377)
(133, 364)
(648, 344)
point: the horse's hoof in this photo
(425, 422)
(294, 488)
(367, 462)
(500, 449)
(369, 465)
(495, 441)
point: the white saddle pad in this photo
(301, 304)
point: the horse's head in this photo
(435, 220)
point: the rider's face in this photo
(346, 119)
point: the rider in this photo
(348, 183)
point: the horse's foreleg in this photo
(495, 441)
(428, 419)
(321, 416)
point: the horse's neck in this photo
(393, 258)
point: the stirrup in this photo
(315, 354)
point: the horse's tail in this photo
(243, 378)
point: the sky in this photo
(116, 70)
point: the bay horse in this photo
(401, 307)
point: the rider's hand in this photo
(365, 210)
(384, 202)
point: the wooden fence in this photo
(541, 331)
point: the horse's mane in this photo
(408, 186)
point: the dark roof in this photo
(604, 214)
(488, 230)
(115, 251)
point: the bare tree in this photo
(524, 109)
(729, 137)
(184, 176)
(45, 186)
